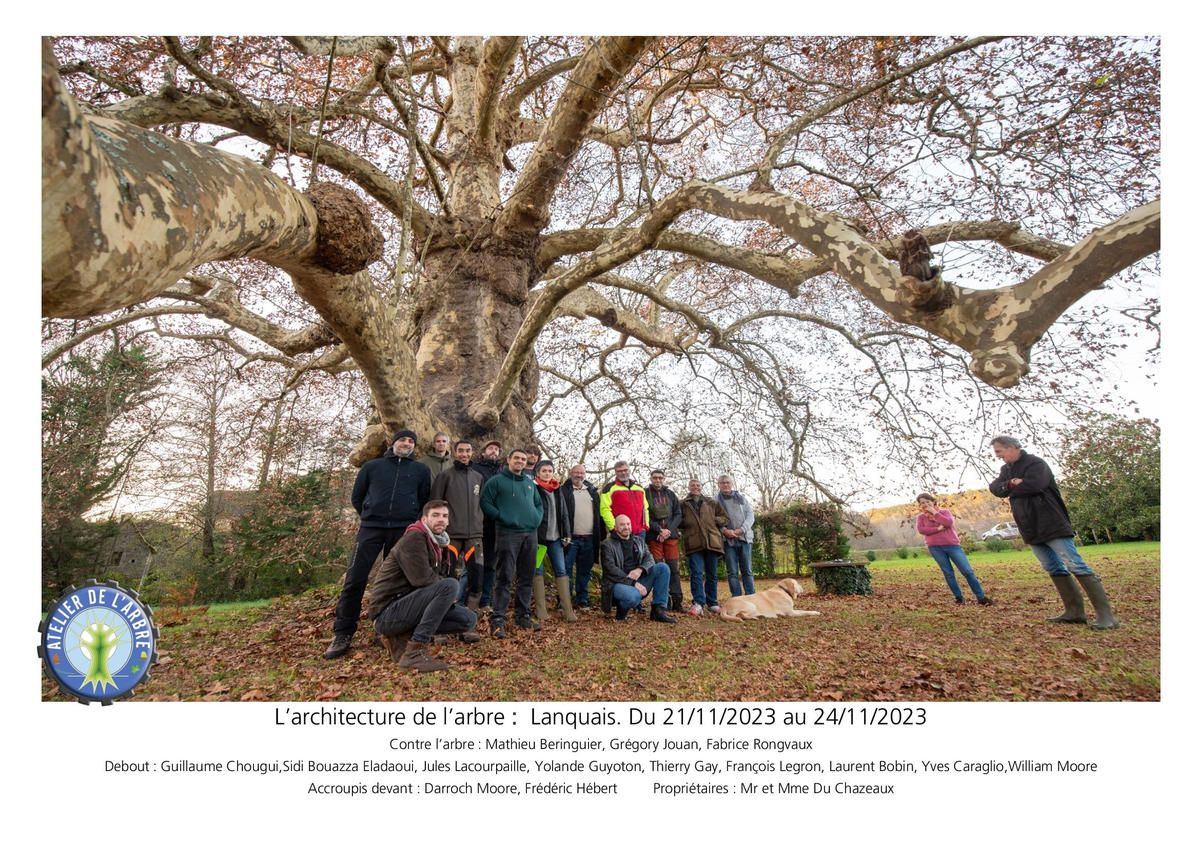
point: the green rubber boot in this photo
(563, 584)
(1073, 611)
(539, 597)
(1099, 598)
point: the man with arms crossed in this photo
(1041, 516)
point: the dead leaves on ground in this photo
(907, 642)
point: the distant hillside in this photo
(892, 526)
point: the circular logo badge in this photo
(98, 642)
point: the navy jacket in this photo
(390, 491)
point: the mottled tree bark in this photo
(126, 212)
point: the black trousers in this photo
(516, 557)
(370, 543)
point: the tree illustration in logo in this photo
(98, 642)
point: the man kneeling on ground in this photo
(631, 574)
(414, 593)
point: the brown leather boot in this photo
(417, 658)
(396, 645)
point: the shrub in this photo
(998, 545)
(871, 556)
(814, 531)
(293, 538)
(902, 553)
(848, 580)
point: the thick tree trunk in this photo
(472, 302)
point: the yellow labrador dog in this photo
(778, 601)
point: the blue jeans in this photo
(737, 563)
(554, 553)
(657, 582)
(944, 555)
(702, 570)
(1059, 556)
(579, 556)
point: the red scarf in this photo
(550, 486)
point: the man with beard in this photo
(388, 495)
(623, 496)
(511, 500)
(438, 459)
(460, 485)
(702, 542)
(413, 595)
(663, 536)
(630, 574)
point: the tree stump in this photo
(842, 577)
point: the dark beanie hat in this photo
(403, 434)
(540, 464)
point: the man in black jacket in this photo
(388, 495)
(1041, 516)
(460, 485)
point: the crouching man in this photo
(414, 593)
(630, 574)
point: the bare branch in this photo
(320, 45)
(120, 320)
(788, 274)
(589, 303)
(139, 245)
(763, 179)
(220, 300)
(499, 53)
(599, 71)
(512, 101)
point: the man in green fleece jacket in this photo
(511, 500)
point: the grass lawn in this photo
(907, 641)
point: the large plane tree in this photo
(442, 207)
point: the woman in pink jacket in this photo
(937, 526)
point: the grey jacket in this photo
(741, 514)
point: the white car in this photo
(1003, 530)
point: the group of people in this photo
(1041, 517)
(463, 535)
